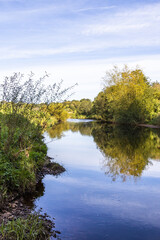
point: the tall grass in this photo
(34, 227)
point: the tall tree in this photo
(130, 95)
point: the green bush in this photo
(22, 153)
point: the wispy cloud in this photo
(95, 8)
(79, 49)
(126, 19)
(141, 11)
(114, 28)
(11, 53)
(50, 31)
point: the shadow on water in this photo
(127, 150)
(29, 198)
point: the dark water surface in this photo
(111, 187)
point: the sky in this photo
(78, 41)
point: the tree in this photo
(16, 91)
(101, 107)
(85, 107)
(130, 95)
(58, 111)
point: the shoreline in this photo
(148, 125)
(15, 206)
(137, 124)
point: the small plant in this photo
(34, 227)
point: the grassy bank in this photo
(23, 162)
(35, 226)
(27, 107)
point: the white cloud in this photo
(12, 53)
(114, 28)
(145, 10)
(97, 8)
(80, 49)
(125, 20)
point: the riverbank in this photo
(148, 125)
(15, 208)
(136, 124)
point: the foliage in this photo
(35, 227)
(128, 97)
(101, 107)
(79, 109)
(85, 107)
(17, 89)
(27, 107)
(58, 111)
(25, 111)
(22, 154)
(32, 99)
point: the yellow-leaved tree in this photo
(130, 96)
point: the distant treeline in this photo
(128, 96)
(79, 108)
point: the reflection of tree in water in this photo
(127, 151)
(85, 128)
(57, 130)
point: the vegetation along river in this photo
(111, 187)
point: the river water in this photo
(111, 187)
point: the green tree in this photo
(85, 107)
(130, 95)
(58, 111)
(101, 107)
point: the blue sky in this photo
(79, 40)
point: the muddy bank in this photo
(50, 167)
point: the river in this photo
(111, 187)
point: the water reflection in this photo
(127, 150)
(29, 198)
(57, 130)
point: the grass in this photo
(34, 227)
